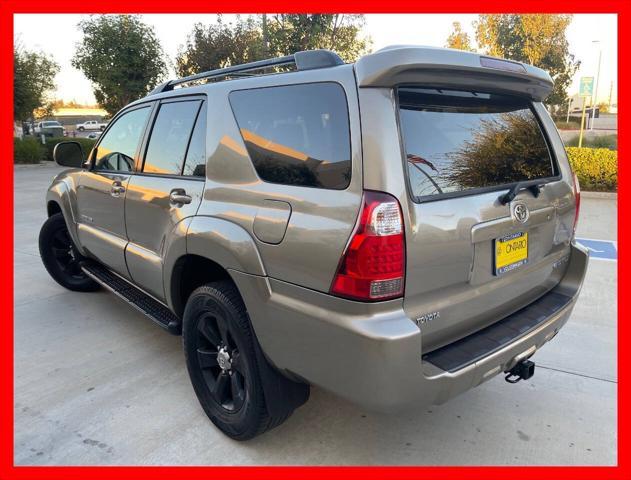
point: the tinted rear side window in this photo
(170, 136)
(457, 141)
(297, 134)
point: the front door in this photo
(167, 189)
(102, 189)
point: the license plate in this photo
(511, 252)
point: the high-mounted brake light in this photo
(499, 64)
(373, 266)
(577, 200)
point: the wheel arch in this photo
(60, 198)
(205, 249)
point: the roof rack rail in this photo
(304, 60)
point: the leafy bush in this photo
(27, 150)
(599, 141)
(596, 168)
(86, 144)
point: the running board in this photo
(143, 302)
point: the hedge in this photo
(599, 141)
(27, 150)
(596, 168)
(86, 144)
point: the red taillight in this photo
(373, 265)
(577, 199)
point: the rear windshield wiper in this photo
(518, 187)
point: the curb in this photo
(600, 195)
(26, 166)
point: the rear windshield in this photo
(458, 140)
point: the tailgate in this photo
(474, 254)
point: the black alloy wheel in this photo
(228, 375)
(220, 361)
(61, 258)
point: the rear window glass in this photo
(170, 137)
(457, 141)
(296, 134)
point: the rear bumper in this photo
(371, 354)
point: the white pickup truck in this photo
(91, 125)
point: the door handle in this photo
(178, 197)
(117, 188)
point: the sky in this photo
(57, 34)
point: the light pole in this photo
(595, 97)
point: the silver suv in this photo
(395, 231)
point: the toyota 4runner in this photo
(395, 231)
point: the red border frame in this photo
(9, 7)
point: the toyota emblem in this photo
(521, 212)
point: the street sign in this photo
(586, 88)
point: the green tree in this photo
(257, 37)
(538, 39)
(458, 39)
(289, 33)
(220, 45)
(122, 57)
(33, 77)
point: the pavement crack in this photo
(27, 253)
(577, 374)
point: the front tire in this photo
(220, 351)
(61, 258)
(81, 129)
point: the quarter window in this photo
(169, 137)
(296, 134)
(195, 164)
(117, 148)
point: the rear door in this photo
(167, 189)
(475, 254)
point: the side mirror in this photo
(69, 154)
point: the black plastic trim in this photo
(140, 300)
(470, 349)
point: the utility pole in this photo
(595, 97)
(569, 104)
(610, 92)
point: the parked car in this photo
(94, 134)
(49, 128)
(395, 231)
(91, 125)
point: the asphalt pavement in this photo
(98, 383)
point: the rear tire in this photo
(222, 361)
(61, 258)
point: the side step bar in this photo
(143, 302)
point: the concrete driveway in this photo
(97, 383)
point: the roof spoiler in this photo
(448, 68)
